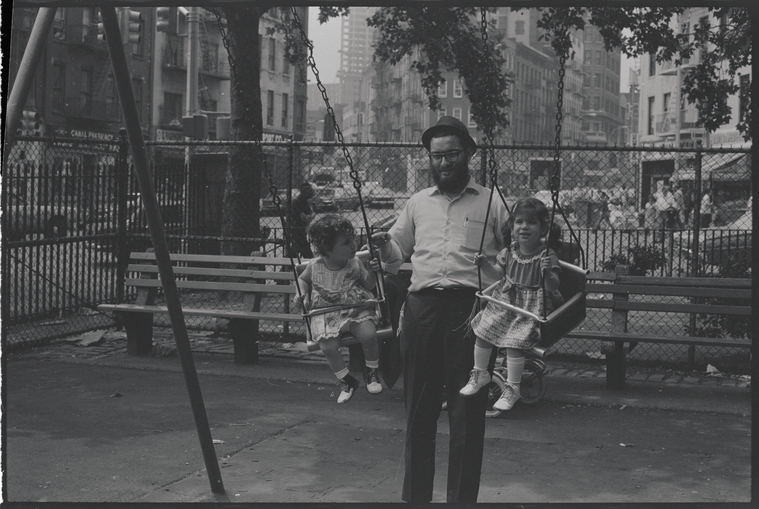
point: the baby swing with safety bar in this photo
(384, 327)
(573, 278)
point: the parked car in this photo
(138, 234)
(345, 197)
(52, 221)
(723, 243)
(379, 197)
(324, 201)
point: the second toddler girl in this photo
(521, 267)
(337, 277)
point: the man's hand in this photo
(380, 239)
(374, 264)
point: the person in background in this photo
(440, 230)
(651, 215)
(706, 210)
(679, 198)
(301, 215)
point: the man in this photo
(301, 214)
(665, 205)
(440, 231)
(679, 197)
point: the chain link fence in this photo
(73, 212)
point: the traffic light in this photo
(162, 19)
(134, 26)
(30, 124)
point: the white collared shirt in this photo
(441, 235)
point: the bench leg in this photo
(616, 367)
(139, 331)
(245, 339)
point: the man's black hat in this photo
(446, 126)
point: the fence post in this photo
(616, 365)
(695, 248)
(122, 173)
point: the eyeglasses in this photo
(451, 157)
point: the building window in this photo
(665, 102)
(172, 109)
(285, 112)
(519, 27)
(59, 24)
(442, 89)
(650, 129)
(441, 113)
(59, 86)
(285, 64)
(470, 121)
(300, 115)
(272, 54)
(651, 64)
(457, 113)
(111, 107)
(458, 89)
(85, 91)
(137, 90)
(270, 107)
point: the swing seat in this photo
(384, 328)
(567, 316)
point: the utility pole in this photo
(193, 32)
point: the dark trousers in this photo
(438, 355)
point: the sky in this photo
(326, 39)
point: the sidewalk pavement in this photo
(306, 448)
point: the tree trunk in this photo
(240, 210)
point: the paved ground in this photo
(91, 424)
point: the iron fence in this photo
(72, 212)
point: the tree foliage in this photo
(725, 48)
(438, 39)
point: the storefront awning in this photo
(720, 167)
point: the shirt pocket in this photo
(474, 225)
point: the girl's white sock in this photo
(341, 374)
(372, 364)
(482, 357)
(515, 366)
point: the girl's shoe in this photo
(371, 378)
(509, 397)
(477, 380)
(348, 386)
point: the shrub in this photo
(640, 259)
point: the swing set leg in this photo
(616, 366)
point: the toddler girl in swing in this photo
(521, 268)
(337, 277)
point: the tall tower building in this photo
(355, 51)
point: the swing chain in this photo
(556, 176)
(489, 127)
(312, 64)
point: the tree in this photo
(441, 39)
(725, 48)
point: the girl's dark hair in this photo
(325, 231)
(532, 207)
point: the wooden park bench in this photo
(228, 287)
(623, 294)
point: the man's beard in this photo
(455, 183)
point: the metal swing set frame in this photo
(15, 103)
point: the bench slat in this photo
(221, 313)
(653, 338)
(698, 282)
(207, 271)
(215, 259)
(629, 289)
(681, 308)
(215, 286)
